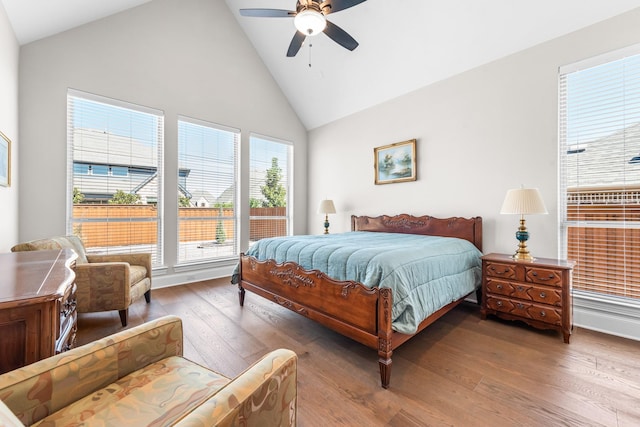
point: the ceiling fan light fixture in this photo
(310, 22)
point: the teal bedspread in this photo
(425, 273)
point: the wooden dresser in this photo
(38, 316)
(536, 292)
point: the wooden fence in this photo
(607, 255)
(125, 225)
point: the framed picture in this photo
(5, 160)
(395, 162)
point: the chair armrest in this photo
(143, 259)
(37, 390)
(102, 286)
(265, 394)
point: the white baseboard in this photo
(190, 276)
(610, 315)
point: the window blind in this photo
(269, 188)
(599, 134)
(207, 177)
(114, 175)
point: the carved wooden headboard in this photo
(463, 228)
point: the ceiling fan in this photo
(309, 19)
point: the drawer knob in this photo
(520, 289)
(543, 314)
(535, 274)
(499, 303)
(499, 287)
(543, 295)
(520, 305)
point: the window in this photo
(112, 210)
(269, 188)
(119, 171)
(207, 177)
(599, 179)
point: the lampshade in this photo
(327, 207)
(310, 22)
(523, 201)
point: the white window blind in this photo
(114, 175)
(207, 177)
(600, 173)
(269, 188)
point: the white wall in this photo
(9, 51)
(479, 134)
(185, 57)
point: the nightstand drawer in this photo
(504, 271)
(525, 310)
(499, 287)
(543, 276)
(525, 291)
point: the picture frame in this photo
(395, 162)
(5, 160)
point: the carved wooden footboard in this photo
(348, 307)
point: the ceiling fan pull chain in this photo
(310, 46)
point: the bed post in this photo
(240, 288)
(477, 232)
(384, 335)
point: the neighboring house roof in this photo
(598, 162)
(256, 182)
(199, 195)
(227, 196)
(98, 148)
(89, 146)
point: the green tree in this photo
(274, 192)
(122, 198)
(184, 202)
(221, 235)
(78, 197)
(225, 205)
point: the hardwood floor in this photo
(460, 371)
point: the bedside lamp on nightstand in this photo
(523, 201)
(326, 207)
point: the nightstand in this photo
(536, 292)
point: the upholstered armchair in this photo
(105, 282)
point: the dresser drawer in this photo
(525, 291)
(543, 276)
(525, 310)
(504, 271)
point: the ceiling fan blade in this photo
(268, 13)
(340, 36)
(338, 5)
(296, 44)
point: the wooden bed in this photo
(348, 307)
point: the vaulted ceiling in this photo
(403, 44)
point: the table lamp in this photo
(326, 207)
(523, 201)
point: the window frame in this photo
(186, 263)
(566, 219)
(158, 132)
(288, 187)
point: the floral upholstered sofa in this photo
(138, 377)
